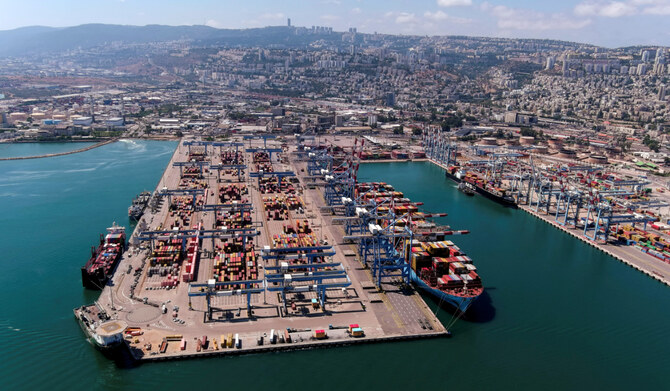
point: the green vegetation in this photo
(652, 144)
(104, 133)
(169, 108)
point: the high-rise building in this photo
(661, 93)
(289, 22)
(390, 99)
(641, 69)
(646, 55)
(660, 55)
(551, 61)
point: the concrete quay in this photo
(167, 312)
(647, 264)
(651, 266)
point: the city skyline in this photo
(604, 23)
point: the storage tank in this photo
(597, 159)
(542, 149)
(566, 153)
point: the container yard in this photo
(612, 208)
(243, 249)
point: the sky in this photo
(610, 23)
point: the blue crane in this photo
(210, 289)
(283, 280)
(265, 138)
(603, 218)
(270, 151)
(179, 192)
(238, 167)
(278, 174)
(181, 166)
(185, 234)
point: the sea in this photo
(557, 314)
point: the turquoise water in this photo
(557, 314)
(36, 149)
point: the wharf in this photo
(168, 312)
(629, 255)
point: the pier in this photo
(100, 144)
(629, 255)
(237, 244)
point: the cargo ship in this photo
(139, 204)
(99, 268)
(481, 185)
(440, 268)
(437, 266)
(101, 331)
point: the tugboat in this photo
(104, 333)
(139, 204)
(467, 188)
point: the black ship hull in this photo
(509, 202)
(94, 281)
(97, 279)
(493, 197)
(452, 177)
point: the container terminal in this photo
(614, 210)
(254, 245)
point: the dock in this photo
(243, 218)
(628, 255)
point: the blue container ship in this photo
(438, 266)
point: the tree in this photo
(652, 144)
(417, 131)
(179, 134)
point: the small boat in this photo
(467, 188)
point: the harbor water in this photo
(38, 149)
(556, 313)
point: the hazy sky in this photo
(603, 22)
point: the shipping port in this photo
(608, 206)
(258, 244)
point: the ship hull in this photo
(94, 281)
(501, 200)
(115, 350)
(452, 177)
(459, 303)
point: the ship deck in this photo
(389, 314)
